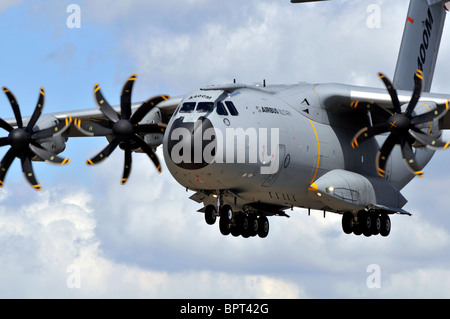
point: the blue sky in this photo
(146, 240)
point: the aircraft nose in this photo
(191, 145)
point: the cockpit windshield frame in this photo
(204, 107)
(188, 107)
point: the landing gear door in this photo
(275, 168)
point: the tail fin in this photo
(420, 43)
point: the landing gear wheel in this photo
(347, 222)
(253, 225)
(376, 224)
(235, 227)
(226, 216)
(263, 226)
(245, 225)
(358, 226)
(240, 225)
(385, 225)
(210, 214)
(365, 221)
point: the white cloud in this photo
(5, 4)
(427, 283)
(305, 251)
(147, 240)
(279, 42)
(40, 240)
(420, 283)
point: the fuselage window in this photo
(221, 110)
(204, 107)
(232, 108)
(188, 107)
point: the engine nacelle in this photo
(55, 144)
(429, 128)
(154, 139)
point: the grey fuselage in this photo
(312, 141)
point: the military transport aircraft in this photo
(252, 152)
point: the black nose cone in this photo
(400, 123)
(18, 139)
(192, 145)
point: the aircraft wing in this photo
(347, 98)
(44, 136)
(167, 108)
(341, 97)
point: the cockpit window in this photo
(232, 108)
(204, 107)
(221, 110)
(188, 107)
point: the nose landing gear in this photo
(210, 214)
(237, 223)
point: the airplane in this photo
(252, 152)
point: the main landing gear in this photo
(237, 224)
(367, 223)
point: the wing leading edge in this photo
(39, 137)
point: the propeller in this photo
(124, 127)
(24, 141)
(404, 127)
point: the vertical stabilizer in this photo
(420, 43)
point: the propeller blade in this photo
(4, 141)
(429, 141)
(104, 153)
(24, 143)
(5, 164)
(127, 165)
(418, 80)
(53, 131)
(92, 129)
(436, 114)
(27, 169)
(125, 98)
(146, 107)
(373, 107)
(410, 159)
(4, 125)
(380, 111)
(104, 106)
(148, 150)
(369, 132)
(15, 106)
(47, 155)
(383, 154)
(124, 127)
(37, 111)
(392, 92)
